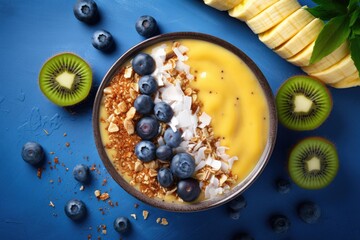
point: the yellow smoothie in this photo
(234, 99)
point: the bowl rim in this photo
(206, 204)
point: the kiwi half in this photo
(65, 79)
(313, 163)
(303, 103)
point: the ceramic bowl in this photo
(205, 204)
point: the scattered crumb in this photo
(89, 237)
(51, 204)
(56, 160)
(67, 169)
(133, 215)
(136, 205)
(145, 214)
(46, 132)
(111, 203)
(104, 196)
(52, 153)
(51, 181)
(116, 204)
(39, 172)
(97, 193)
(158, 220)
(65, 134)
(164, 221)
(67, 144)
(104, 182)
(82, 188)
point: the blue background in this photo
(33, 31)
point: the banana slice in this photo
(340, 70)
(329, 60)
(303, 57)
(222, 5)
(287, 28)
(248, 9)
(302, 39)
(272, 15)
(352, 81)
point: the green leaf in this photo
(355, 29)
(334, 33)
(355, 52)
(326, 12)
(353, 5)
(354, 17)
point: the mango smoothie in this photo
(219, 107)
(233, 97)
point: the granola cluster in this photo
(120, 122)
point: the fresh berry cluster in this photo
(87, 11)
(148, 127)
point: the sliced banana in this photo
(302, 39)
(329, 60)
(340, 70)
(272, 15)
(352, 81)
(248, 9)
(286, 29)
(222, 5)
(303, 57)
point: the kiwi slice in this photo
(303, 103)
(313, 163)
(65, 79)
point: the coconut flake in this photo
(179, 55)
(200, 165)
(204, 119)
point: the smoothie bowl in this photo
(184, 121)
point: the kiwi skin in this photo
(306, 123)
(71, 63)
(320, 179)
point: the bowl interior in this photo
(206, 204)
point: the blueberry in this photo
(283, 186)
(146, 26)
(144, 104)
(165, 177)
(32, 153)
(81, 173)
(75, 209)
(102, 40)
(309, 212)
(172, 139)
(145, 151)
(242, 236)
(86, 11)
(279, 223)
(234, 214)
(182, 165)
(164, 153)
(147, 85)
(188, 189)
(163, 112)
(147, 128)
(143, 64)
(122, 224)
(237, 203)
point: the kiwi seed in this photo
(65, 79)
(303, 103)
(313, 163)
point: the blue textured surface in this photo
(33, 31)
